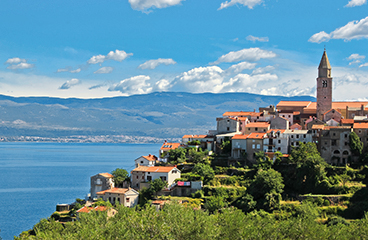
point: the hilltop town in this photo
(282, 161)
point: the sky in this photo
(95, 49)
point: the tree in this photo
(355, 144)
(263, 161)
(198, 156)
(120, 175)
(205, 171)
(226, 146)
(177, 155)
(157, 185)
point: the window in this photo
(228, 128)
(163, 178)
(346, 135)
(278, 149)
(149, 178)
(127, 199)
(141, 161)
(257, 117)
(279, 141)
(142, 177)
(333, 134)
(333, 142)
(258, 146)
(118, 199)
(137, 177)
(325, 142)
(289, 116)
(297, 136)
(305, 135)
(253, 146)
(292, 136)
(297, 143)
(248, 129)
(256, 129)
(346, 143)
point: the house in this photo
(276, 141)
(279, 123)
(143, 174)
(100, 182)
(361, 129)
(87, 209)
(149, 160)
(295, 126)
(206, 141)
(297, 136)
(166, 147)
(334, 114)
(124, 196)
(246, 146)
(227, 125)
(259, 127)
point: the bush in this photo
(335, 220)
(55, 216)
(326, 202)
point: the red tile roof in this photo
(153, 169)
(84, 209)
(113, 190)
(347, 121)
(360, 125)
(256, 135)
(150, 157)
(258, 124)
(169, 146)
(293, 104)
(195, 136)
(296, 126)
(106, 175)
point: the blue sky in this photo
(94, 49)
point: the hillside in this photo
(163, 115)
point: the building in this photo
(124, 196)
(100, 182)
(142, 174)
(149, 161)
(166, 147)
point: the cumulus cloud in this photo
(143, 5)
(15, 60)
(247, 54)
(247, 83)
(355, 56)
(133, 85)
(248, 3)
(76, 70)
(162, 85)
(21, 65)
(352, 30)
(364, 65)
(70, 83)
(237, 68)
(255, 39)
(354, 3)
(152, 64)
(116, 56)
(104, 70)
(202, 79)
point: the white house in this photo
(149, 160)
(146, 174)
(125, 196)
(100, 182)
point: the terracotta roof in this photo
(113, 190)
(311, 106)
(150, 157)
(240, 136)
(152, 169)
(241, 113)
(169, 146)
(296, 113)
(338, 110)
(242, 118)
(106, 175)
(342, 105)
(347, 121)
(195, 136)
(256, 135)
(293, 104)
(100, 208)
(360, 125)
(84, 209)
(258, 124)
(318, 126)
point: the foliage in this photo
(177, 155)
(157, 185)
(194, 142)
(101, 202)
(198, 156)
(214, 203)
(205, 171)
(355, 144)
(263, 161)
(120, 175)
(226, 147)
(145, 195)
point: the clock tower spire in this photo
(324, 86)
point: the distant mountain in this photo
(164, 115)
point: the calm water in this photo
(34, 177)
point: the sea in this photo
(35, 177)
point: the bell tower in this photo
(324, 86)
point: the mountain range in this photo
(159, 115)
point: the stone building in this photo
(101, 182)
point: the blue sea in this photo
(34, 177)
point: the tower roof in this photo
(324, 61)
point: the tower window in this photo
(324, 83)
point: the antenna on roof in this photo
(325, 48)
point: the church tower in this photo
(324, 86)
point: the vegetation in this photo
(120, 176)
(355, 144)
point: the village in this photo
(190, 170)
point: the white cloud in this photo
(97, 86)
(355, 62)
(355, 56)
(320, 37)
(364, 65)
(104, 70)
(70, 83)
(152, 64)
(247, 54)
(162, 85)
(237, 68)
(76, 70)
(247, 83)
(354, 3)
(255, 39)
(68, 69)
(116, 56)
(248, 3)
(22, 65)
(352, 30)
(197, 80)
(15, 60)
(133, 85)
(262, 70)
(143, 5)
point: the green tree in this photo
(214, 203)
(120, 175)
(226, 146)
(157, 185)
(205, 171)
(355, 144)
(198, 156)
(263, 161)
(177, 155)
